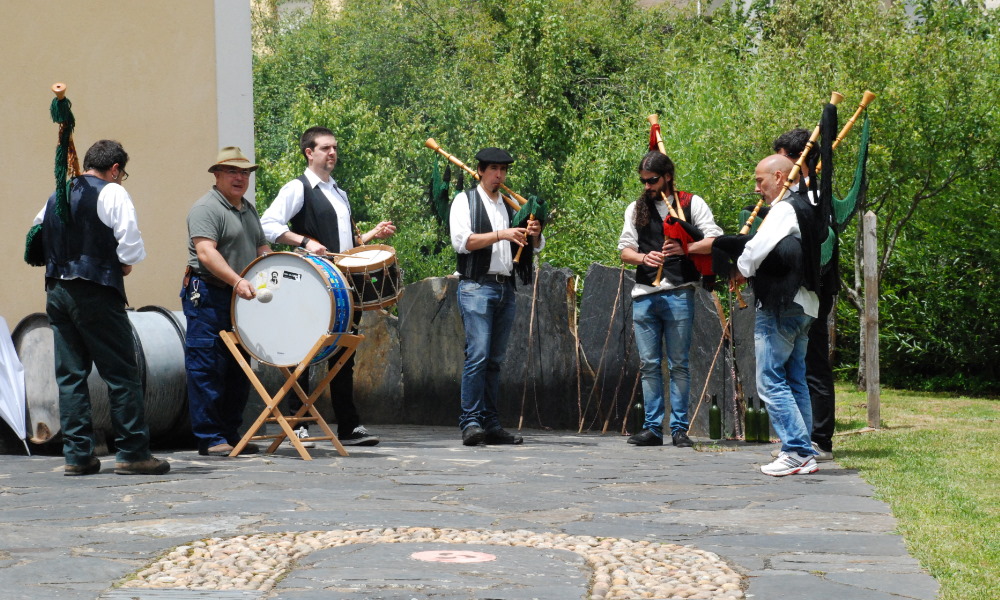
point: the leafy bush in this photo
(567, 85)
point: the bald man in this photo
(782, 264)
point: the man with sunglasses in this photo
(224, 236)
(662, 311)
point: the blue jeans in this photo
(655, 318)
(217, 386)
(780, 345)
(488, 315)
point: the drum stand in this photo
(271, 414)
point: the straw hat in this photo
(232, 156)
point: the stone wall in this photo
(562, 371)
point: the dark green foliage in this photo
(566, 86)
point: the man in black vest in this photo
(663, 311)
(90, 246)
(819, 371)
(486, 245)
(782, 261)
(319, 215)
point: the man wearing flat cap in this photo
(224, 236)
(486, 245)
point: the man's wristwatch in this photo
(303, 243)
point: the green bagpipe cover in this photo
(34, 251)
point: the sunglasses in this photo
(650, 181)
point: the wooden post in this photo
(871, 319)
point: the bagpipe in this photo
(675, 226)
(67, 166)
(832, 213)
(525, 209)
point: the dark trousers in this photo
(341, 389)
(90, 327)
(819, 376)
(217, 386)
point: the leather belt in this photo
(493, 278)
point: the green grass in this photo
(932, 462)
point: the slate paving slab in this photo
(810, 537)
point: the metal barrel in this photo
(159, 339)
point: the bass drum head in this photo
(309, 298)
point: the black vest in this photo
(677, 270)
(83, 248)
(318, 219)
(477, 263)
(792, 263)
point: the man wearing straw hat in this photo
(318, 209)
(88, 253)
(224, 236)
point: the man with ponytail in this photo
(663, 296)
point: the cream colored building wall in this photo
(170, 80)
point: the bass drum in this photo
(300, 298)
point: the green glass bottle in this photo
(715, 420)
(763, 424)
(750, 422)
(640, 416)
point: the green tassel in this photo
(61, 111)
(34, 250)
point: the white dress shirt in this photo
(460, 223)
(115, 209)
(290, 200)
(701, 217)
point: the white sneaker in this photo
(822, 455)
(303, 434)
(790, 463)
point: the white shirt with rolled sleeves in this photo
(290, 200)
(115, 209)
(701, 217)
(780, 223)
(460, 225)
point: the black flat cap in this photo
(494, 156)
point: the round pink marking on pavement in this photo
(452, 556)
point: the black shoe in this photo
(359, 437)
(646, 438)
(93, 466)
(473, 435)
(681, 440)
(499, 436)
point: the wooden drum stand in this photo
(308, 412)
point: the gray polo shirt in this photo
(236, 232)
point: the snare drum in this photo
(376, 279)
(310, 298)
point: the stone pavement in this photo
(564, 516)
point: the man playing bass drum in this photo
(320, 217)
